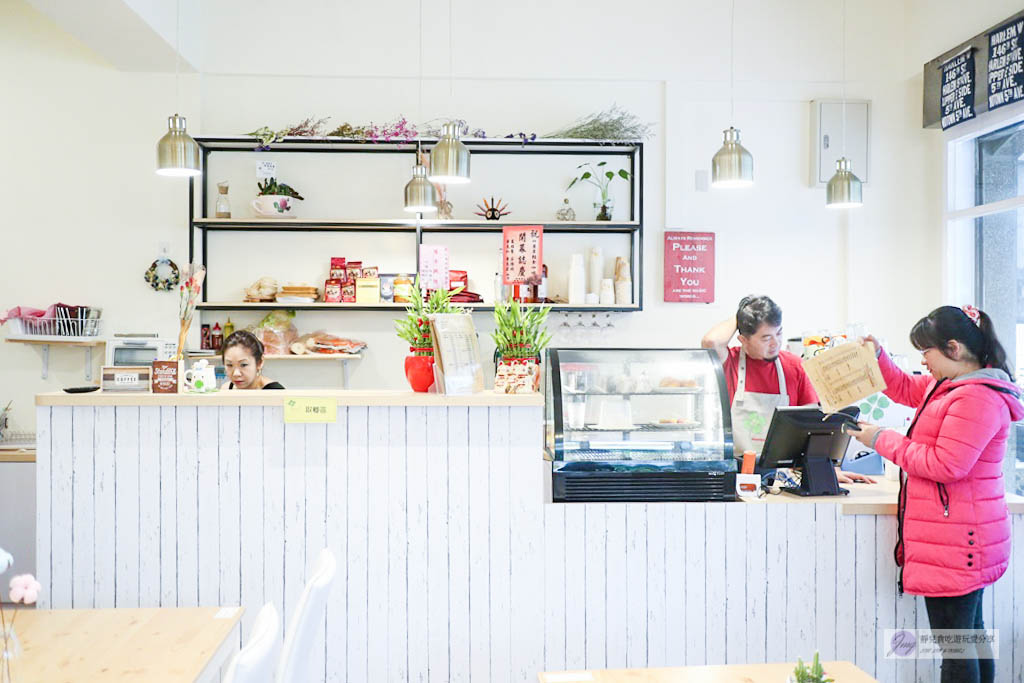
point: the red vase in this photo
(419, 370)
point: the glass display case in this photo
(638, 425)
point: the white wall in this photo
(90, 213)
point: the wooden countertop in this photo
(841, 672)
(275, 398)
(152, 645)
(865, 499)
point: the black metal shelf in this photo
(418, 225)
(322, 306)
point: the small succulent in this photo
(270, 186)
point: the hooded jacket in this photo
(954, 529)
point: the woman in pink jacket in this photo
(954, 530)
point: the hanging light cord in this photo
(451, 62)
(419, 35)
(177, 51)
(732, 68)
(843, 43)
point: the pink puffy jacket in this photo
(954, 527)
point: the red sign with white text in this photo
(689, 266)
(522, 254)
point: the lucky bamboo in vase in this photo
(520, 333)
(415, 327)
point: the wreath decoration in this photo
(162, 284)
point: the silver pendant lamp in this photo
(177, 154)
(420, 195)
(732, 166)
(844, 188)
(449, 159)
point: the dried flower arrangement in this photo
(613, 123)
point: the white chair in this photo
(294, 665)
(254, 662)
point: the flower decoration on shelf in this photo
(613, 123)
(194, 275)
(415, 327)
(270, 186)
(308, 127)
(401, 130)
(492, 211)
(163, 283)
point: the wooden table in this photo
(152, 645)
(842, 672)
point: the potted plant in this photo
(274, 199)
(415, 329)
(520, 335)
(809, 674)
(600, 179)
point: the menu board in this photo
(1005, 65)
(689, 267)
(957, 96)
(434, 272)
(844, 375)
(522, 254)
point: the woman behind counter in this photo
(243, 363)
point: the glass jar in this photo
(10, 651)
(403, 289)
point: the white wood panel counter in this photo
(451, 565)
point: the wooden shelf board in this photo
(290, 356)
(57, 341)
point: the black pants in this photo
(962, 612)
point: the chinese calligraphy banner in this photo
(434, 273)
(689, 267)
(522, 254)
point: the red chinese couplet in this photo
(690, 266)
(522, 251)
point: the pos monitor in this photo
(805, 438)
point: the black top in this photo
(271, 385)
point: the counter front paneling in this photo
(450, 562)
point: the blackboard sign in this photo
(957, 98)
(1005, 65)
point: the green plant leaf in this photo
(602, 163)
(586, 174)
(609, 175)
(572, 183)
(623, 173)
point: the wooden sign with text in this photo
(689, 267)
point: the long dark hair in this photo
(947, 323)
(248, 341)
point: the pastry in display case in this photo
(638, 425)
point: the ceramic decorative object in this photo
(201, 377)
(565, 213)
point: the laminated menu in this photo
(457, 365)
(844, 375)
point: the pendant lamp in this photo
(420, 195)
(732, 166)
(177, 154)
(449, 159)
(844, 188)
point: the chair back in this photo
(254, 663)
(310, 612)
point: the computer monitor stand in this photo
(819, 476)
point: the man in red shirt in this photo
(759, 374)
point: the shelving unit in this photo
(343, 358)
(418, 226)
(88, 343)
